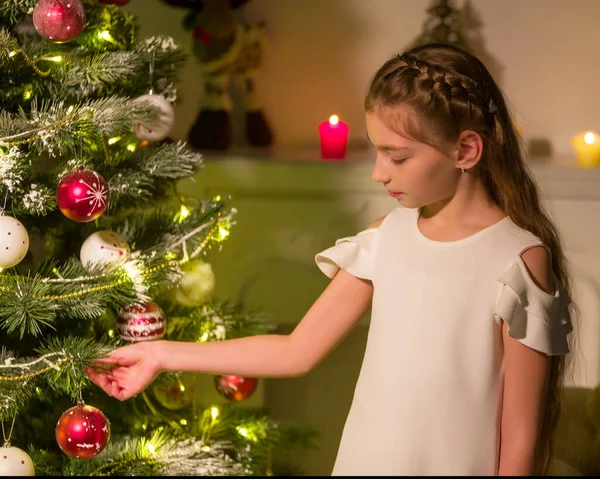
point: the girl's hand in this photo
(132, 368)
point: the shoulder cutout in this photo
(376, 223)
(539, 266)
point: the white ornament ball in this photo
(161, 126)
(197, 283)
(14, 241)
(15, 462)
(104, 247)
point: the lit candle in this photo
(587, 146)
(334, 137)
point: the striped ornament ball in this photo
(141, 322)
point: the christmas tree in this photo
(97, 249)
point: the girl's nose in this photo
(380, 174)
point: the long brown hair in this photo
(451, 91)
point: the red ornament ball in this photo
(82, 431)
(145, 322)
(82, 195)
(59, 20)
(115, 2)
(235, 388)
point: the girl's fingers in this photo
(114, 389)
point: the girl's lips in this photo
(396, 194)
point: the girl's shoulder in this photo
(517, 239)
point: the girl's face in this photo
(414, 173)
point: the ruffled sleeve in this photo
(355, 254)
(537, 319)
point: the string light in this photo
(112, 141)
(105, 35)
(27, 94)
(223, 233)
(182, 214)
(151, 448)
(214, 412)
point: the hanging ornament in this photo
(82, 195)
(141, 322)
(162, 124)
(174, 390)
(82, 431)
(235, 388)
(59, 20)
(120, 3)
(197, 283)
(15, 462)
(14, 241)
(104, 247)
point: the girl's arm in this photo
(525, 382)
(329, 319)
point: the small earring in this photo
(463, 170)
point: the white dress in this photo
(428, 398)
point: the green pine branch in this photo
(31, 303)
(59, 367)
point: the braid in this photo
(456, 93)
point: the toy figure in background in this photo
(225, 47)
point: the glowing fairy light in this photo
(214, 412)
(131, 147)
(204, 337)
(28, 92)
(223, 233)
(112, 141)
(184, 212)
(151, 448)
(105, 35)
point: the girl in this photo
(467, 282)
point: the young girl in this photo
(467, 282)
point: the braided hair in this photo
(447, 90)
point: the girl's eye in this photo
(397, 161)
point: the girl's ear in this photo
(470, 149)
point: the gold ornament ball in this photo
(174, 390)
(197, 283)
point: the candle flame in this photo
(589, 138)
(334, 119)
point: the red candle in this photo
(334, 137)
